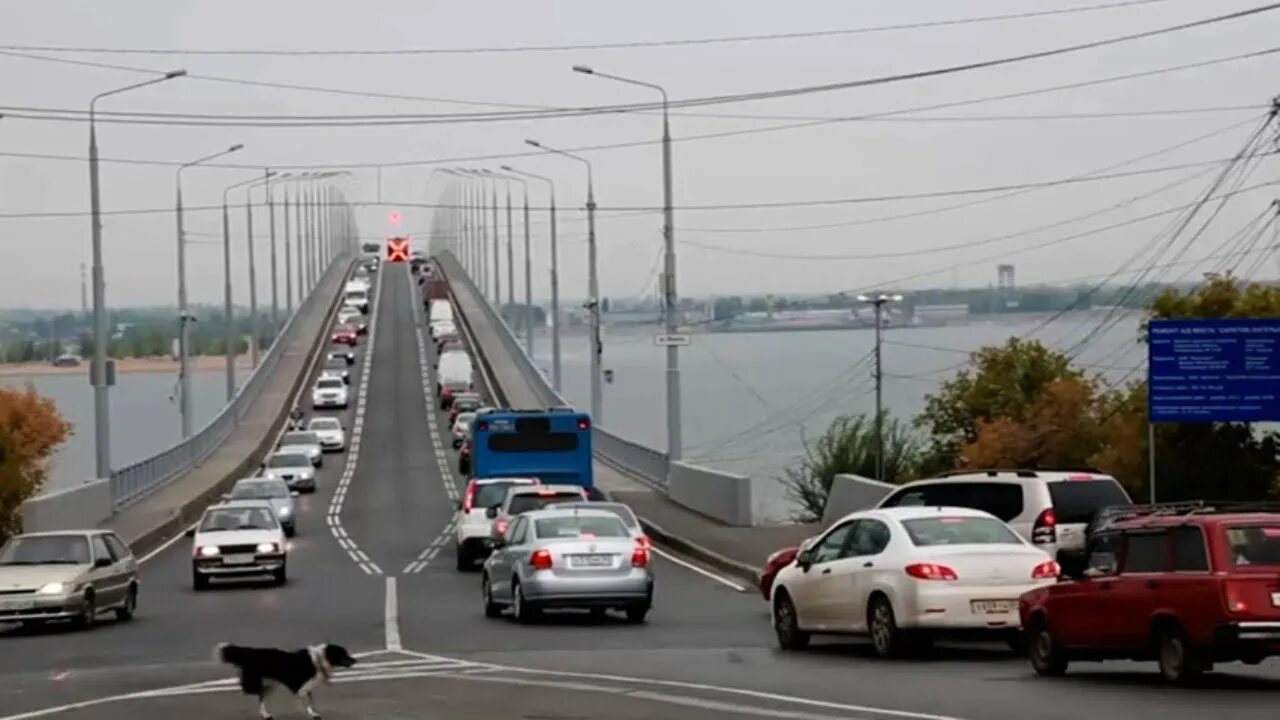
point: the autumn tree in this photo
(30, 429)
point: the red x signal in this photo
(397, 250)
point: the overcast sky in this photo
(899, 155)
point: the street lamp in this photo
(555, 275)
(675, 444)
(528, 268)
(254, 326)
(184, 319)
(511, 269)
(879, 301)
(593, 283)
(101, 334)
(226, 286)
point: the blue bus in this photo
(551, 445)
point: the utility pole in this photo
(878, 302)
(84, 292)
(497, 260)
(288, 260)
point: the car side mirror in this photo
(1072, 564)
(491, 513)
(191, 532)
(226, 496)
(805, 559)
(102, 562)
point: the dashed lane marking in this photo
(334, 515)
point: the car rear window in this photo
(492, 494)
(1077, 501)
(1004, 500)
(329, 383)
(1254, 544)
(576, 527)
(926, 532)
(300, 438)
(525, 502)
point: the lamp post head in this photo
(174, 74)
(235, 148)
(508, 168)
(584, 69)
(534, 143)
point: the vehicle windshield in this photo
(524, 502)
(259, 490)
(46, 550)
(335, 363)
(925, 532)
(464, 419)
(572, 526)
(329, 383)
(325, 424)
(248, 518)
(299, 438)
(1253, 545)
(466, 403)
(284, 460)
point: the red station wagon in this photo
(1187, 585)
(345, 335)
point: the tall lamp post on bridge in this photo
(528, 263)
(593, 284)
(555, 274)
(101, 333)
(227, 310)
(879, 301)
(184, 317)
(254, 320)
(671, 303)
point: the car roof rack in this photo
(1020, 472)
(1117, 513)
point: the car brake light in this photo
(645, 542)
(1045, 571)
(469, 496)
(547, 492)
(640, 557)
(540, 560)
(1233, 597)
(931, 571)
(501, 526)
(1079, 477)
(587, 535)
(1045, 529)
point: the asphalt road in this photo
(369, 570)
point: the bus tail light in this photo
(540, 559)
(482, 426)
(583, 423)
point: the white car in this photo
(329, 431)
(358, 299)
(329, 392)
(462, 428)
(303, 442)
(473, 528)
(295, 469)
(358, 282)
(349, 315)
(903, 575)
(443, 328)
(237, 539)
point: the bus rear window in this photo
(1254, 545)
(534, 442)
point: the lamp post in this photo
(593, 284)
(671, 303)
(254, 327)
(555, 279)
(879, 301)
(227, 310)
(101, 333)
(184, 318)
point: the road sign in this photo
(1220, 370)
(397, 249)
(667, 339)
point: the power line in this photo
(591, 46)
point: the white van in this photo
(440, 311)
(1050, 508)
(454, 374)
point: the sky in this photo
(858, 246)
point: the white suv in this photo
(473, 528)
(1050, 508)
(329, 392)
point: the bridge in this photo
(370, 568)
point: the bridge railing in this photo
(133, 482)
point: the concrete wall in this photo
(720, 495)
(850, 493)
(82, 506)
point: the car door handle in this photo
(868, 564)
(827, 571)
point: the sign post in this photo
(1212, 370)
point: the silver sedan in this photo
(567, 558)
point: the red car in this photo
(776, 562)
(1187, 585)
(345, 335)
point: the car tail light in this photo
(1045, 571)
(1233, 594)
(931, 571)
(540, 560)
(469, 496)
(640, 557)
(1045, 530)
(501, 526)
(645, 542)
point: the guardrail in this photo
(626, 456)
(133, 482)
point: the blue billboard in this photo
(1219, 370)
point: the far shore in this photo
(201, 363)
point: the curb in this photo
(189, 513)
(739, 570)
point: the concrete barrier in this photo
(851, 493)
(77, 507)
(719, 495)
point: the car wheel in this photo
(130, 606)
(1179, 661)
(290, 530)
(637, 613)
(88, 613)
(491, 608)
(1047, 657)
(281, 576)
(786, 624)
(463, 559)
(520, 607)
(199, 581)
(886, 638)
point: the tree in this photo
(849, 446)
(30, 429)
(1061, 428)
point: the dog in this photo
(298, 671)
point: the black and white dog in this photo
(298, 671)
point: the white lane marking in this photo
(334, 514)
(701, 571)
(167, 544)
(391, 616)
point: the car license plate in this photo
(590, 561)
(992, 607)
(238, 560)
(17, 604)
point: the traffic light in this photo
(398, 249)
